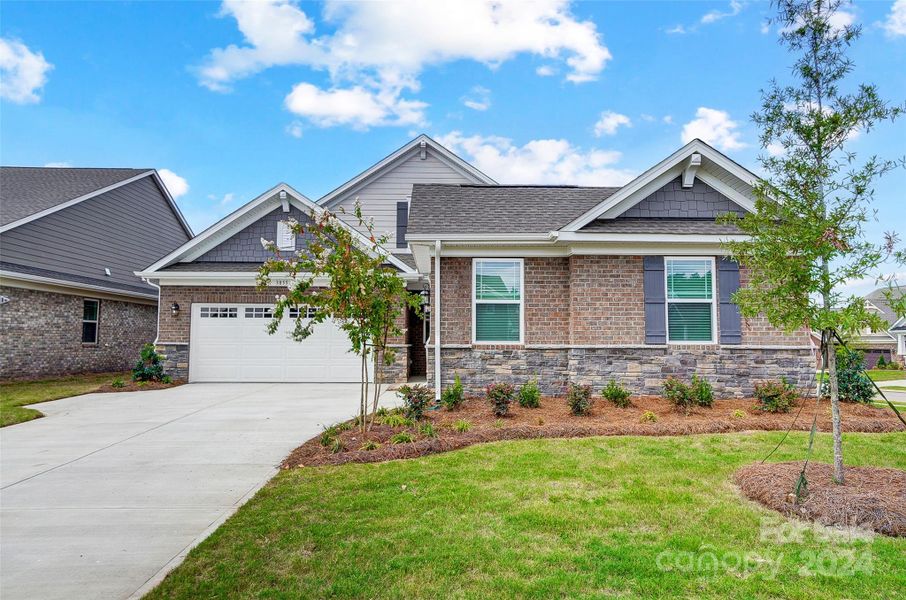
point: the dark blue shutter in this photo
(730, 319)
(655, 297)
(402, 223)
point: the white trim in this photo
(475, 301)
(673, 164)
(76, 287)
(387, 163)
(96, 321)
(668, 301)
(692, 164)
(153, 173)
(240, 278)
(437, 321)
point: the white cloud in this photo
(609, 122)
(478, 98)
(677, 29)
(714, 127)
(545, 71)
(716, 15)
(22, 72)
(379, 49)
(176, 185)
(295, 129)
(668, 119)
(765, 28)
(357, 107)
(775, 149)
(895, 24)
(539, 161)
(225, 200)
(58, 165)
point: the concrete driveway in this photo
(108, 492)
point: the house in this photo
(889, 342)
(212, 319)
(584, 284)
(70, 241)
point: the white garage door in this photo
(229, 342)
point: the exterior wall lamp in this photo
(174, 308)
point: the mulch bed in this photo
(553, 420)
(871, 497)
(133, 386)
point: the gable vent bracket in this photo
(692, 165)
(284, 201)
(423, 152)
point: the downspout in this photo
(437, 380)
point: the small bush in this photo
(500, 396)
(328, 436)
(617, 394)
(336, 446)
(370, 445)
(648, 417)
(462, 426)
(344, 426)
(530, 394)
(685, 396)
(579, 399)
(740, 414)
(403, 437)
(416, 399)
(882, 363)
(452, 396)
(166, 379)
(149, 366)
(427, 430)
(852, 383)
(396, 420)
(118, 383)
(382, 412)
(498, 423)
(702, 392)
(775, 396)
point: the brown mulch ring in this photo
(554, 420)
(135, 386)
(871, 497)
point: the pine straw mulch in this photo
(554, 420)
(135, 386)
(871, 497)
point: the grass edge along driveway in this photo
(589, 517)
(15, 394)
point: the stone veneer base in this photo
(733, 371)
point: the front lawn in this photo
(886, 374)
(592, 517)
(16, 394)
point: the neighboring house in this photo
(581, 284)
(212, 319)
(70, 241)
(889, 342)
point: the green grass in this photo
(15, 394)
(895, 388)
(886, 374)
(580, 518)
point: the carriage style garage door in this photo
(229, 342)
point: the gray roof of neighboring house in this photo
(446, 208)
(879, 299)
(659, 225)
(214, 266)
(25, 191)
(138, 288)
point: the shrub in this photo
(648, 417)
(427, 430)
(775, 396)
(501, 396)
(396, 420)
(382, 412)
(852, 383)
(739, 414)
(530, 395)
(328, 436)
(579, 399)
(416, 399)
(498, 423)
(701, 390)
(149, 366)
(882, 363)
(462, 426)
(403, 437)
(451, 397)
(685, 396)
(166, 379)
(617, 394)
(336, 446)
(370, 445)
(118, 383)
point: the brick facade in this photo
(42, 334)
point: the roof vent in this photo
(107, 271)
(424, 149)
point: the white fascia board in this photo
(493, 238)
(653, 238)
(656, 172)
(160, 184)
(241, 279)
(11, 276)
(728, 191)
(389, 162)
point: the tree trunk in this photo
(363, 393)
(835, 408)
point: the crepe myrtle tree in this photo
(342, 276)
(806, 237)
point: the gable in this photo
(245, 245)
(673, 201)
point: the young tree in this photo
(806, 237)
(342, 277)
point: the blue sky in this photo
(234, 98)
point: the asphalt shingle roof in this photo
(879, 298)
(25, 191)
(445, 208)
(655, 225)
(139, 287)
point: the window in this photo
(259, 312)
(296, 311)
(402, 223)
(219, 312)
(690, 299)
(90, 310)
(497, 301)
(286, 237)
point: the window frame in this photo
(475, 302)
(668, 301)
(284, 231)
(96, 321)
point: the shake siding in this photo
(380, 195)
(125, 230)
